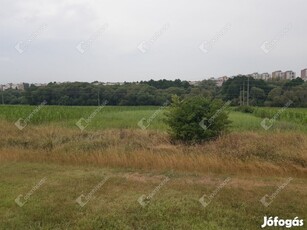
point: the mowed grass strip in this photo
(114, 205)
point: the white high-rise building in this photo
(304, 74)
(265, 76)
(276, 74)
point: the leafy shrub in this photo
(245, 109)
(196, 119)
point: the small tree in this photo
(196, 119)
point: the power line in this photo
(248, 91)
(98, 99)
(2, 97)
(240, 96)
(243, 93)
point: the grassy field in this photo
(107, 117)
(136, 161)
(297, 115)
(124, 117)
(114, 205)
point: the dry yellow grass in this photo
(248, 152)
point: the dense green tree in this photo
(295, 82)
(270, 93)
(257, 95)
(196, 119)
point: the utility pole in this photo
(243, 93)
(248, 91)
(98, 98)
(240, 98)
(2, 97)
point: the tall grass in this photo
(127, 117)
(107, 117)
(247, 152)
(297, 115)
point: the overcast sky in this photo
(130, 40)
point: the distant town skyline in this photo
(298, 73)
(116, 41)
(257, 75)
(275, 75)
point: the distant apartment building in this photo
(221, 80)
(97, 83)
(262, 76)
(289, 75)
(277, 75)
(7, 86)
(254, 75)
(304, 74)
(19, 86)
(194, 82)
(113, 83)
(38, 84)
(265, 76)
(14, 86)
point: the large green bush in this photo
(196, 119)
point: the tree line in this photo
(237, 90)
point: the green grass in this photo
(114, 205)
(107, 117)
(129, 116)
(297, 115)
(246, 121)
(241, 121)
(175, 206)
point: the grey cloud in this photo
(115, 56)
